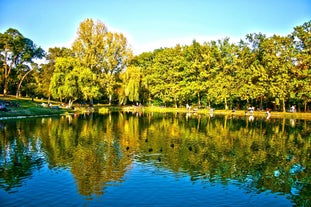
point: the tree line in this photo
(258, 70)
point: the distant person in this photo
(187, 106)
(251, 110)
(268, 113)
(251, 118)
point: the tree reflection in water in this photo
(255, 153)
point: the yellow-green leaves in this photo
(104, 53)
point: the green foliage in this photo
(265, 71)
(44, 73)
(104, 53)
(17, 53)
(131, 79)
(64, 82)
(259, 70)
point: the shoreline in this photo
(27, 108)
(274, 115)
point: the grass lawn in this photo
(22, 107)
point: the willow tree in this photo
(131, 85)
(144, 62)
(45, 72)
(105, 53)
(17, 53)
(64, 83)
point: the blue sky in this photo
(151, 24)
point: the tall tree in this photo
(131, 84)
(64, 83)
(224, 72)
(17, 53)
(144, 62)
(195, 67)
(277, 61)
(250, 74)
(302, 42)
(165, 74)
(45, 72)
(105, 53)
(88, 84)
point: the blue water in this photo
(143, 185)
(140, 161)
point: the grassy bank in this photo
(25, 107)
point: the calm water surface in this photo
(127, 159)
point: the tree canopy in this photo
(263, 71)
(266, 72)
(17, 53)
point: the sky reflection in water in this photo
(154, 160)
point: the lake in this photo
(172, 159)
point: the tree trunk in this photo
(49, 98)
(110, 99)
(199, 100)
(5, 87)
(261, 104)
(20, 83)
(70, 103)
(284, 108)
(121, 101)
(226, 104)
(7, 71)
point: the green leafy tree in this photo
(260, 71)
(165, 75)
(65, 80)
(88, 85)
(193, 72)
(223, 74)
(110, 84)
(131, 83)
(277, 61)
(45, 72)
(251, 75)
(144, 62)
(302, 60)
(105, 53)
(17, 53)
